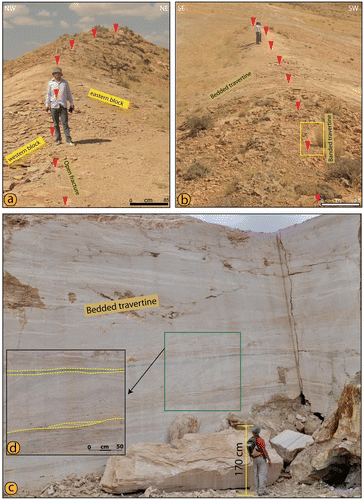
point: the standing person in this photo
(258, 33)
(58, 104)
(258, 453)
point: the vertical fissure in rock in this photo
(289, 303)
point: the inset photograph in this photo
(85, 104)
(268, 104)
(63, 402)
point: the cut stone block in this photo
(289, 443)
(195, 462)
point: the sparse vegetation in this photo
(346, 168)
(232, 187)
(197, 123)
(196, 171)
(334, 107)
(100, 29)
(319, 136)
(338, 147)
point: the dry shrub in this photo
(196, 171)
(338, 147)
(197, 123)
(232, 187)
(319, 136)
(334, 107)
(346, 168)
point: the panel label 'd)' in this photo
(122, 305)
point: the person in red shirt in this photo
(260, 459)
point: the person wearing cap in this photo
(58, 104)
(260, 458)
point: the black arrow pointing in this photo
(131, 390)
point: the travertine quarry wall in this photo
(294, 296)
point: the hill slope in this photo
(118, 155)
(243, 147)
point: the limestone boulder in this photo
(345, 421)
(329, 461)
(335, 454)
(184, 424)
(195, 462)
(289, 443)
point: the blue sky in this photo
(256, 223)
(29, 25)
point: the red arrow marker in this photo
(266, 30)
(298, 104)
(55, 162)
(72, 42)
(94, 31)
(116, 27)
(279, 59)
(253, 20)
(271, 45)
(52, 130)
(57, 59)
(56, 92)
(317, 196)
(288, 78)
(65, 199)
(307, 144)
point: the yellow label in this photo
(329, 138)
(28, 148)
(122, 305)
(71, 177)
(230, 85)
(110, 99)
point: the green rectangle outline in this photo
(164, 354)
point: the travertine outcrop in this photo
(197, 461)
(293, 295)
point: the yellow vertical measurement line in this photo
(246, 458)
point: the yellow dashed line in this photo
(64, 425)
(64, 370)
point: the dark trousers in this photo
(63, 113)
(258, 37)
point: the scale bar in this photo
(164, 204)
(340, 204)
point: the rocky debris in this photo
(289, 443)
(284, 487)
(197, 460)
(278, 414)
(184, 424)
(336, 451)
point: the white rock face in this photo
(289, 443)
(197, 461)
(294, 296)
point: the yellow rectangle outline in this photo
(122, 302)
(69, 171)
(326, 137)
(42, 142)
(232, 81)
(323, 141)
(125, 104)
